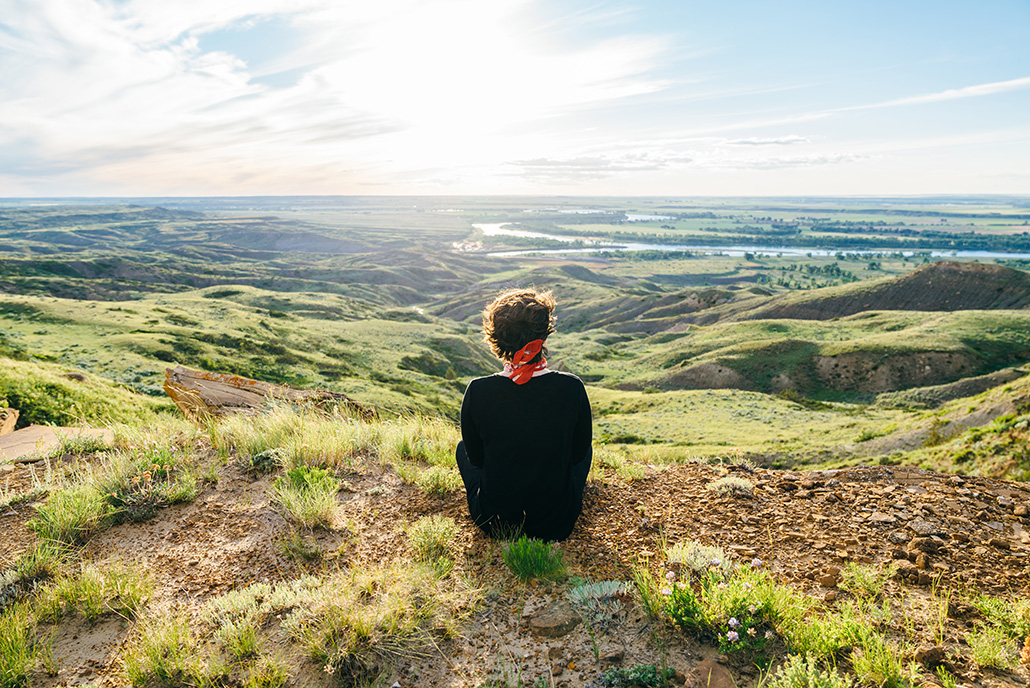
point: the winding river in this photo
(594, 245)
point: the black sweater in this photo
(526, 439)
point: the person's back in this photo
(526, 432)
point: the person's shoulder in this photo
(485, 381)
(564, 379)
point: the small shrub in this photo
(697, 559)
(531, 558)
(803, 671)
(644, 675)
(600, 604)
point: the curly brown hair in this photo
(515, 318)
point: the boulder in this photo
(8, 419)
(198, 393)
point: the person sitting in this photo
(526, 449)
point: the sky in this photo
(554, 97)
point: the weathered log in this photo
(8, 419)
(199, 393)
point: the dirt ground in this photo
(972, 533)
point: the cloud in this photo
(975, 91)
(590, 168)
(778, 141)
(111, 90)
(783, 162)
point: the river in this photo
(594, 245)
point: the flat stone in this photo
(995, 525)
(925, 528)
(555, 620)
(1021, 510)
(710, 674)
(898, 537)
(880, 517)
(999, 543)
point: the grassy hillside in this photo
(49, 394)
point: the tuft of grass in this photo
(72, 515)
(17, 647)
(356, 623)
(162, 653)
(299, 548)
(824, 636)
(866, 581)
(992, 646)
(880, 662)
(732, 485)
(420, 440)
(307, 496)
(438, 480)
(30, 571)
(94, 592)
(432, 538)
(531, 558)
(239, 639)
(267, 672)
(803, 671)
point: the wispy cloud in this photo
(777, 141)
(974, 91)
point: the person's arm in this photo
(469, 433)
(582, 447)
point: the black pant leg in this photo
(472, 476)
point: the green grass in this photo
(307, 496)
(531, 558)
(431, 538)
(44, 396)
(93, 592)
(162, 653)
(72, 515)
(865, 581)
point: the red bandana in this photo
(519, 370)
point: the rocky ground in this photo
(967, 534)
